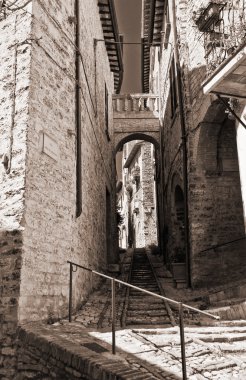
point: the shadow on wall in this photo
(216, 209)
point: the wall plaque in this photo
(50, 147)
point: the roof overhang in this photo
(112, 40)
(152, 21)
(229, 79)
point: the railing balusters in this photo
(125, 108)
(151, 103)
(141, 104)
(135, 103)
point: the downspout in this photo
(162, 178)
(78, 113)
(184, 145)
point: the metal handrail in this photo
(222, 244)
(113, 281)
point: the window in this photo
(106, 113)
(173, 88)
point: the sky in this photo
(129, 23)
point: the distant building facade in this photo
(137, 196)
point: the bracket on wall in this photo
(5, 161)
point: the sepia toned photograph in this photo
(123, 189)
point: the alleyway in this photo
(134, 308)
(122, 189)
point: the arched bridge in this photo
(136, 117)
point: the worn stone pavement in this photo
(213, 350)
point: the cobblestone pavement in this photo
(211, 352)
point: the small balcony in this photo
(224, 28)
(136, 103)
(230, 77)
(136, 116)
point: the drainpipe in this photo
(161, 209)
(184, 144)
(78, 113)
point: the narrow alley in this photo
(122, 189)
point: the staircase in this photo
(142, 309)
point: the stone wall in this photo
(52, 233)
(39, 228)
(148, 184)
(214, 191)
(11, 245)
(15, 60)
(48, 353)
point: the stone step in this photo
(146, 286)
(138, 293)
(151, 306)
(144, 283)
(232, 312)
(147, 321)
(142, 308)
(147, 313)
(219, 338)
(142, 279)
(145, 300)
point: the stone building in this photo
(197, 66)
(137, 196)
(56, 131)
(60, 129)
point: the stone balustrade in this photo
(135, 103)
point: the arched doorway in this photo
(216, 207)
(179, 251)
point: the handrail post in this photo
(70, 292)
(113, 315)
(182, 340)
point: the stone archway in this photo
(120, 138)
(215, 201)
(210, 128)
